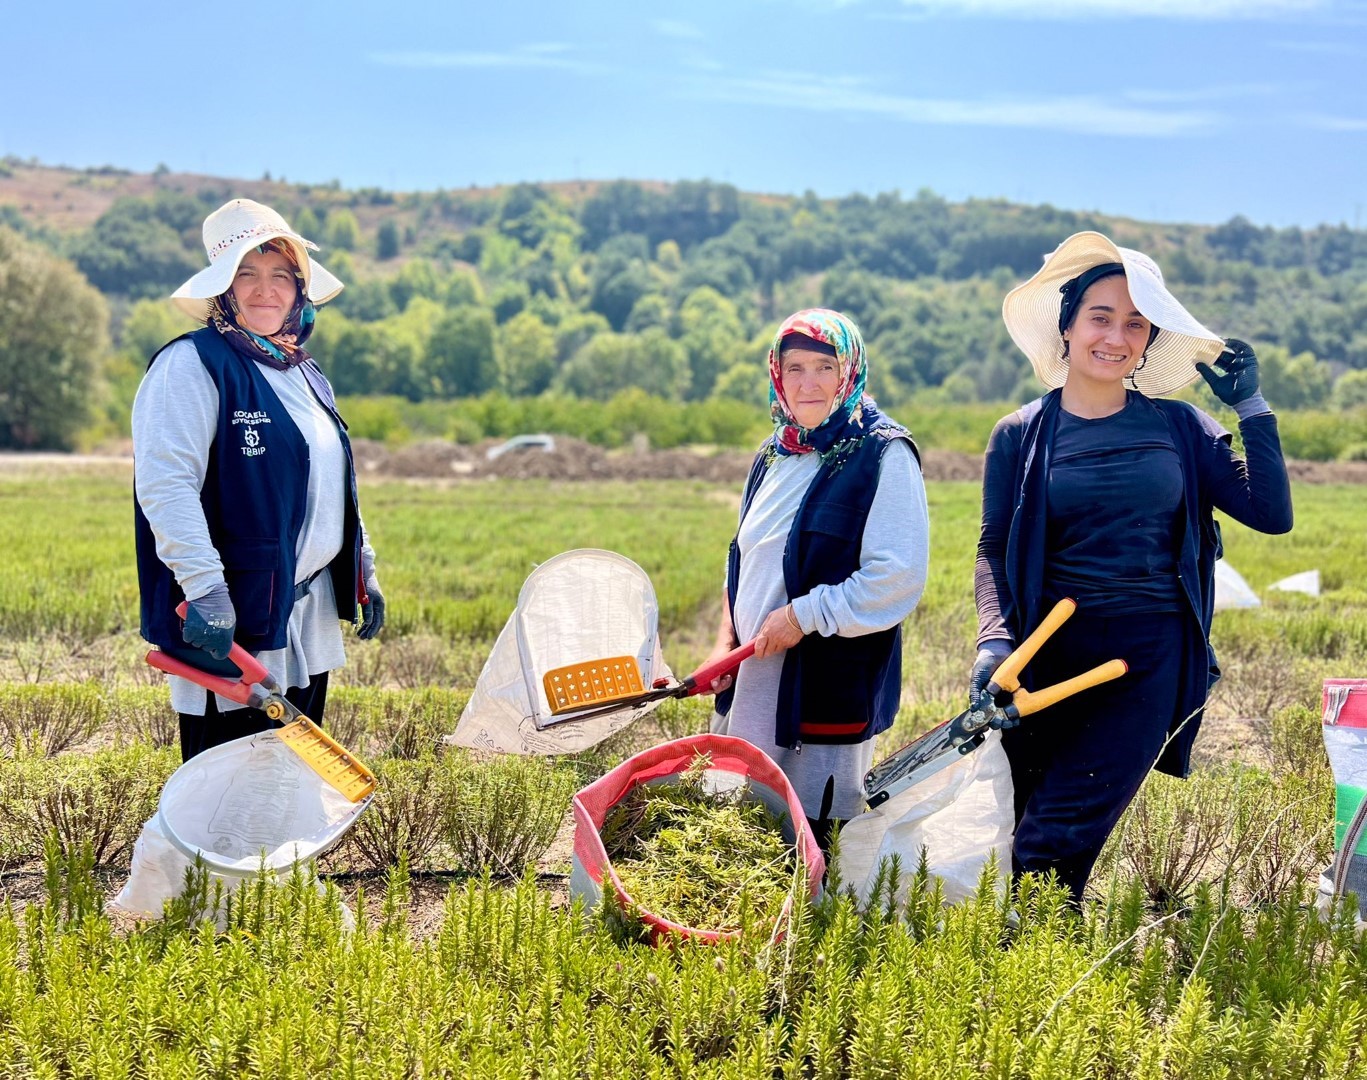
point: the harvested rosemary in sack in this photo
(700, 837)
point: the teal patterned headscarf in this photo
(852, 412)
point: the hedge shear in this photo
(598, 687)
(257, 689)
(1001, 703)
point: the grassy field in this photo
(1198, 958)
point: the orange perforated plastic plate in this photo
(596, 682)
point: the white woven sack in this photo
(961, 816)
(582, 605)
(247, 805)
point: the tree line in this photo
(584, 291)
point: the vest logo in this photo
(252, 438)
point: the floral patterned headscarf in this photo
(849, 416)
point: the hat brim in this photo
(1031, 312)
(193, 297)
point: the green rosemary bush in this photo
(101, 798)
(405, 819)
(512, 986)
(50, 716)
(143, 714)
(502, 813)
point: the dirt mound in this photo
(1328, 472)
(574, 459)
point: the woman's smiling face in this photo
(1108, 335)
(265, 289)
(810, 382)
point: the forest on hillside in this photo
(588, 290)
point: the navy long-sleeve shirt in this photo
(1013, 546)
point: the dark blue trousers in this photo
(1076, 765)
(199, 733)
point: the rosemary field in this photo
(1199, 957)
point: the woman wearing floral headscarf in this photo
(246, 491)
(829, 558)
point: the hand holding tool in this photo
(1001, 704)
(210, 621)
(257, 689)
(989, 658)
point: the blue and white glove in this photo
(210, 621)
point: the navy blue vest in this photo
(833, 689)
(254, 498)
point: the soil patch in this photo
(573, 459)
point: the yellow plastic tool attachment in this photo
(597, 682)
(1007, 676)
(328, 758)
(1026, 702)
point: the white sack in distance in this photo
(1231, 590)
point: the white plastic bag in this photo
(241, 807)
(960, 815)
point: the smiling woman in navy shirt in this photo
(1102, 491)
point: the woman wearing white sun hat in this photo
(245, 487)
(1102, 491)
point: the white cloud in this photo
(1325, 122)
(675, 29)
(1080, 114)
(536, 55)
(1319, 48)
(1129, 9)
(1219, 92)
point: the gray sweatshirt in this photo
(175, 420)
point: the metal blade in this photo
(925, 756)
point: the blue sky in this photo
(1171, 110)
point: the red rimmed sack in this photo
(733, 762)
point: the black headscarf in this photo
(1075, 288)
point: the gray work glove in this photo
(990, 657)
(372, 607)
(1238, 378)
(210, 621)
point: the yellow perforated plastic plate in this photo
(596, 682)
(328, 758)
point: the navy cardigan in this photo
(1012, 550)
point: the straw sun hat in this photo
(231, 231)
(1031, 312)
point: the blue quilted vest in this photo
(832, 689)
(254, 497)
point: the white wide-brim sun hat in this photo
(1031, 312)
(231, 231)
